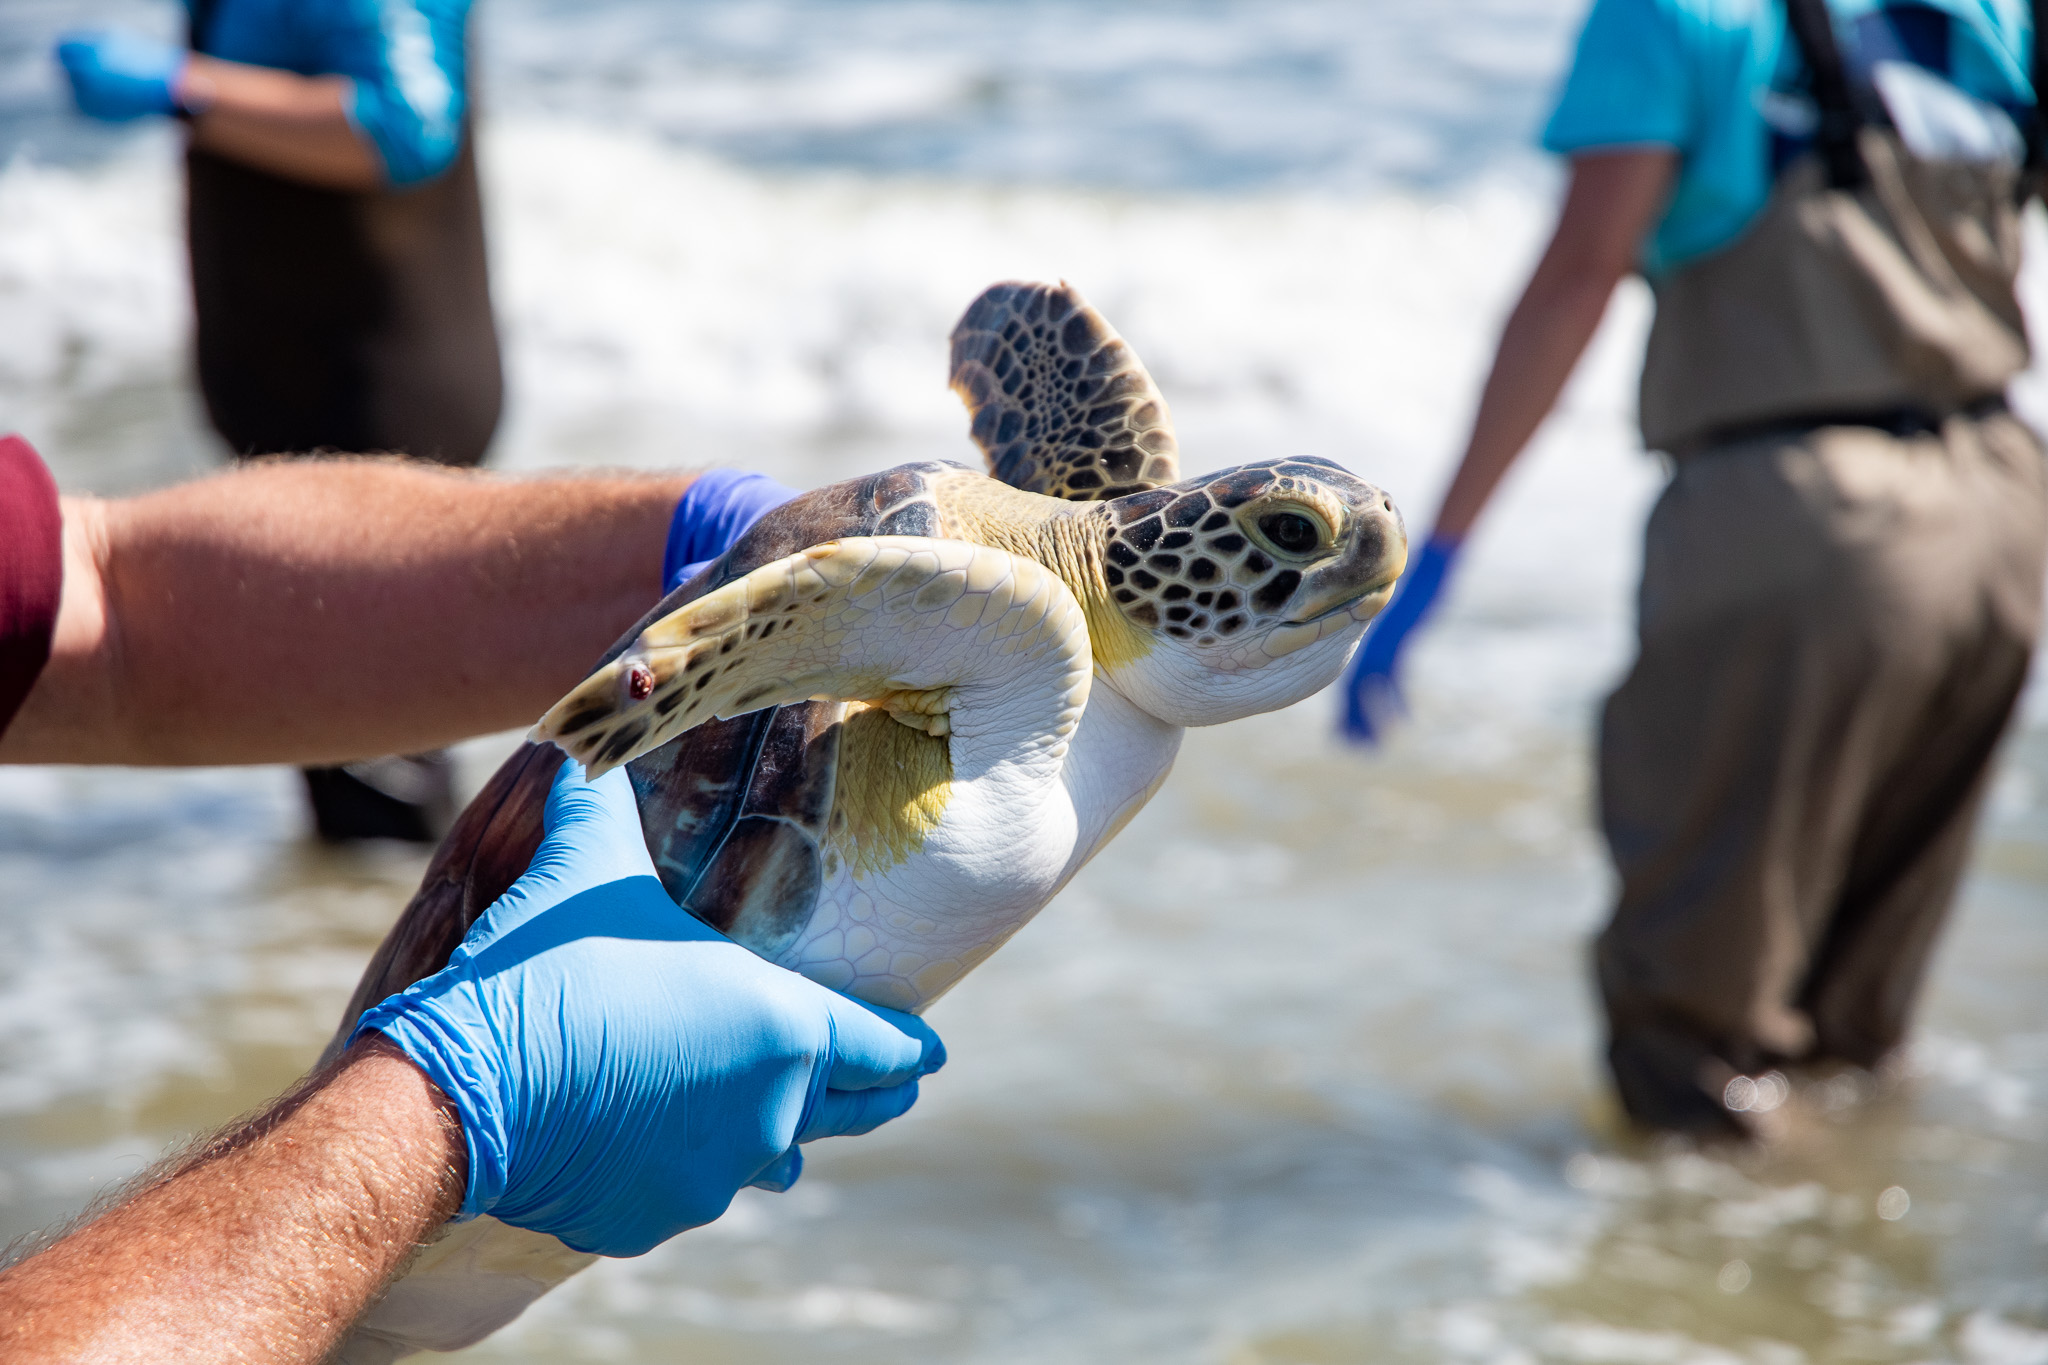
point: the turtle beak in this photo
(1358, 583)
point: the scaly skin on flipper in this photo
(1060, 403)
(908, 624)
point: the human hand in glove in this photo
(117, 75)
(621, 1069)
(1372, 690)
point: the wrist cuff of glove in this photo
(718, 507)
(440, 1050)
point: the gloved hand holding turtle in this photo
(117, 75)
(621, 1068)
(1372, 689)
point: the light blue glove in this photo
(117, 75)
(1372, 692)
(621, 1069)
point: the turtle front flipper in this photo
(950, 638)
(1060, 403)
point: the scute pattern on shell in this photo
(1179, 561)
(1061, 404)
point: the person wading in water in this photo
(338, 272)
(1842, 581)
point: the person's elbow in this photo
(413, 144)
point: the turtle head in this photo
(1252, 585)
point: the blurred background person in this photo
(335, 228)
(1842, 582)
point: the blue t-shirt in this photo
(1723, 83)
(405, 58)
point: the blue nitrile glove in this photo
(117, 75)
(620, 1068)
(1372, 691)
(713, 512)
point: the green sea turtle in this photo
(883, 730)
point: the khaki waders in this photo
(1841, 593)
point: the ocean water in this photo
(1303, 1070)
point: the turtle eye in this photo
(1289, 531)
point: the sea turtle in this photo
(884, 729)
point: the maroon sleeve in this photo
(31, 571)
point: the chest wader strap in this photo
(1840, 118)
(2036, 167)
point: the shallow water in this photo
(1303, 1069)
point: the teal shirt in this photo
(405, 59)
(1722, 83)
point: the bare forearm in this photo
(263, 1247)
(1613, 200)
(1539, 347)
(278, 121)
(322, 611)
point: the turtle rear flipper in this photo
(1061, 404)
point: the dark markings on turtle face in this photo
(668, 701)
(1137, 506)
(1274, 592)
(1204, 572)
(1240, 486)
(1113, 575)
(1060, 405)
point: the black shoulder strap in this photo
(197, 13)
(2037, 126)
(1814, 31)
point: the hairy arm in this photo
(264, 1245)
(278, 121)
(1613, 201)
(321, 611)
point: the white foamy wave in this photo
(92, 281)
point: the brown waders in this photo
(357, 322)
(1841, 593)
